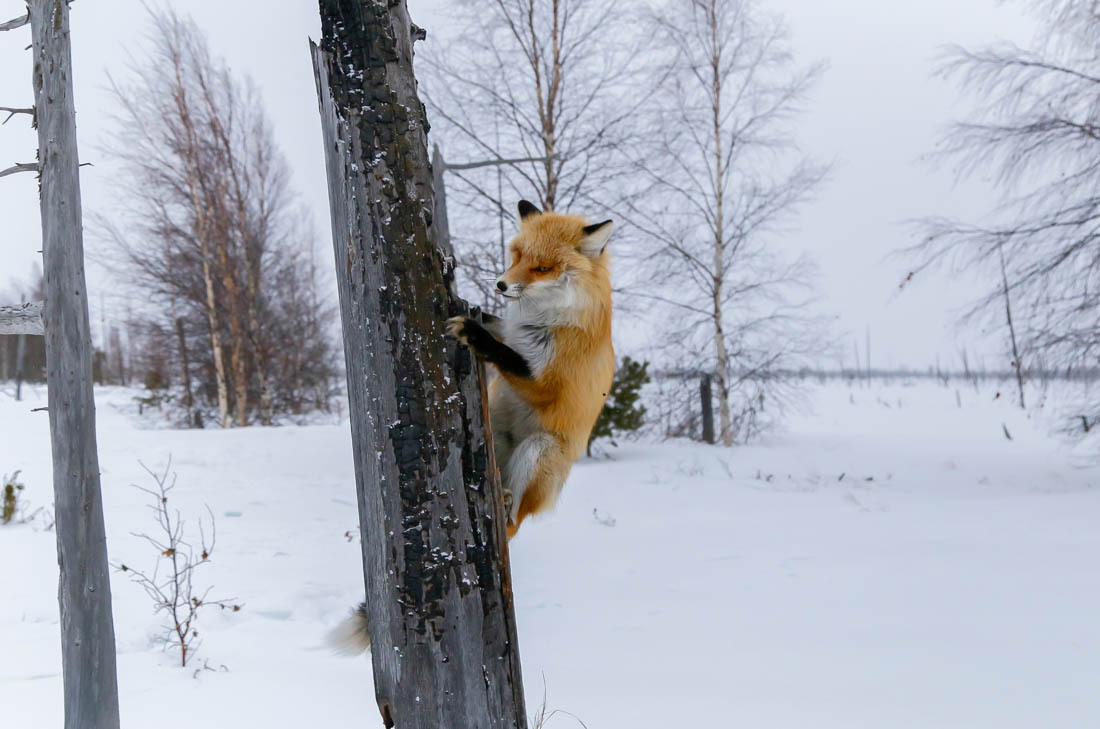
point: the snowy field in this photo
(890, 561)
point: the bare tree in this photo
(212, 229)
(1036, 130)
(545, 83)
(721, 177)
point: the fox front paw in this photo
(456, 327)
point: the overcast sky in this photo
(876, 113)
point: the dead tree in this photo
(87, 629)
(432, 523)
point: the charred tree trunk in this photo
(87, 630)
(432, 523)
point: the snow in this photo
(947, 580)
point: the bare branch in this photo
(16, 23)
(20, 167)
(12, 111)
(495, 162)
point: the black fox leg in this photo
(492, 324)
(488, 347)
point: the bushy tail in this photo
(352, 636)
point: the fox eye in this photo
(541, 269)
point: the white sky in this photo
(876, 112)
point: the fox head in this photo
(556, 259)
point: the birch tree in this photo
(720, 178)
(546, 82)
(1035, 133)
(211, 227)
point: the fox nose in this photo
(501, 286)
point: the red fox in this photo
(553, 352)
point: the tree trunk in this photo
(215, 338)
(87, 630)
(20, 355)
(203, 232)
(185, 367)
(706, 397)
(431, 519)
(722, 367)
(237, 344)
(1016, 364)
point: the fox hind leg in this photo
(533, 478)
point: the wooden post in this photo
(435, 561)
(87, 630)
(708, 408)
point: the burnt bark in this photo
(434, 549)
(84, 593)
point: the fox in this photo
(552, 352)
(554, 364)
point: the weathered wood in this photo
(87, 631)
(441, 228)
(434, 550)
(15, 22)
(21, 319)
(19, 167)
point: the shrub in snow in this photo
(171, 584)
(12, 489)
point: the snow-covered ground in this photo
(890, 561)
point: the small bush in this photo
(170, 584)
(11, 506)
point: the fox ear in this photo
(595, 238)
(527, 209)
